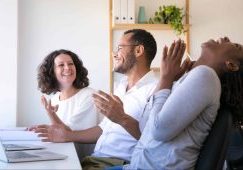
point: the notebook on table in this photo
(28, 155)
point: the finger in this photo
(165, 50)
(105, 95)
(181, 51)
(43, 101)
(186, 65)
(101, 105)
(99, 98)
(117, 99)
(32, 128)
(46, 140)
(101, 109)
(41, 130)
(176, 49)
(42, 126)
(55, 109)
(49, 104)
(43, 135)
(171, 49)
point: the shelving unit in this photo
(150, 27)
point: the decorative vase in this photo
(141, 15)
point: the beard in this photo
(127, 65)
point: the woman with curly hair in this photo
(62, 73)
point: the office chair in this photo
(213, 152)
(235, 150)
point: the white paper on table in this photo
(18, 135)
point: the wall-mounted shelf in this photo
(145, 26)
(113, 28)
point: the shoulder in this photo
(86, 91)
(204, 73)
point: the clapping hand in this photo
(109, 105)
(171, 68)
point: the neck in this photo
(68, 92)
(135, 74)
(218, 68)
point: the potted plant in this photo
(169, 15)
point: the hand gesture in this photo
(171, 68)
(109, 105)
(51, 110)
(53, 133)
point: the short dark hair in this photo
(47, 82)
(143, 37)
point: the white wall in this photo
(47, 25)
(213, 19)
(80, 26)
(8, 68)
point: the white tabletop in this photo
(72, 162)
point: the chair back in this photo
(213, 152)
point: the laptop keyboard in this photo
(19, 155)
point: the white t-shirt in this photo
(115, 141)
(78, 112)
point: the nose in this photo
(222, 40)
(66, 66)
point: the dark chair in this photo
(235, 150)
(213, 153)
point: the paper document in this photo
(12, 128)
(18, 135)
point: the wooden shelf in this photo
(145, 26)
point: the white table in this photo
(72, 162)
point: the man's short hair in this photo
(143, 37)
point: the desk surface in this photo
(72, 162)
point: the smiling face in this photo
(223, 47)
(222, 53)
(65, 70)
(125, 58)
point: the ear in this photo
(139, 50)
(231, 65)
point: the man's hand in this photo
(109, 105)
(112, 107)
(53, 133)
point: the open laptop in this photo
(20, 147)
(28, 155)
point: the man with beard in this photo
(117, 135)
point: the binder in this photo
(124, 11)
(116, 6)
(131, 11)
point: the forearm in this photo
(90, 135)
(163, 84)
(131, 125)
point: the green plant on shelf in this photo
(169, 15)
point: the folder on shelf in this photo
(124, 11)
(131, 11)
(116, 6)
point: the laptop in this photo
(20, 147)
(28, 155)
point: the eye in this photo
(118, 48)
(70, 64)
(60, 65)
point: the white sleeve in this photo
(198, 90)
